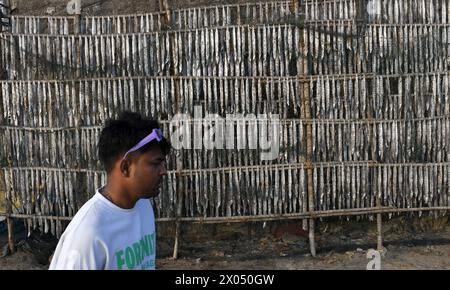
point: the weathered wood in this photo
(10, 225)
(308, 156)
(379, 225)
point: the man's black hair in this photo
(120, 135)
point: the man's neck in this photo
(118, 196)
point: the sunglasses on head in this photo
(156, 134)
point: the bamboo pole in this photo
(311, 198)
(306, 23)
(9, 210)
(380, 239)
(177, 237)
(378, 194)
(309, 151)
(45, 217)
(372, 137)
(301, 73)
(11, 243)
(164, 6)
(10, 223)
(303, 79)
(273, 217)
(283, 122)
(191, 172)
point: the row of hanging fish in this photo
(69, 104)
(239, 51)
(253, 191)
(391, 141)
(401, 186)
(407, 11)
(277, 190)
(191, 18)
(58, 149)
(379, 11)
(328, 10)
(50, 192)
(240, 143)
(416, 140)
(371, 11)
(92, 102)
(407, 48)
(42, 25)
(76, 147)
(259, 190)
(380, 97)
(345, 48)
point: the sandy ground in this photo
(395, 258)
(420, 244)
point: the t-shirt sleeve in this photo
(80, 252)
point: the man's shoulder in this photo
(88, 216)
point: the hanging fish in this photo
(276, 191)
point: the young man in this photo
(115, 229)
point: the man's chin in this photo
(155, 193)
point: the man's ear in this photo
(125, 167)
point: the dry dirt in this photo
(409, 244)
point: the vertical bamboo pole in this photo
(379, 220)
(78, 68)
(10, 223)
(372, 137)
(309, 165)
(177, 235)
(4, 186)
(164, 6)
(11, 243)
(379, 237)
(361, 8)
(311, 193)
(301, 71)
(309, 142)
(378, 193)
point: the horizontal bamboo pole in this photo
(233, 219)
(41, 17)
(312, 24)
(284, 122)
(301, 165)
(307, 79)
(30, 216)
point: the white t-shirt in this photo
(104, 236)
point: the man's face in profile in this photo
(147, 171)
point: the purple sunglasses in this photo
(155, 134)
